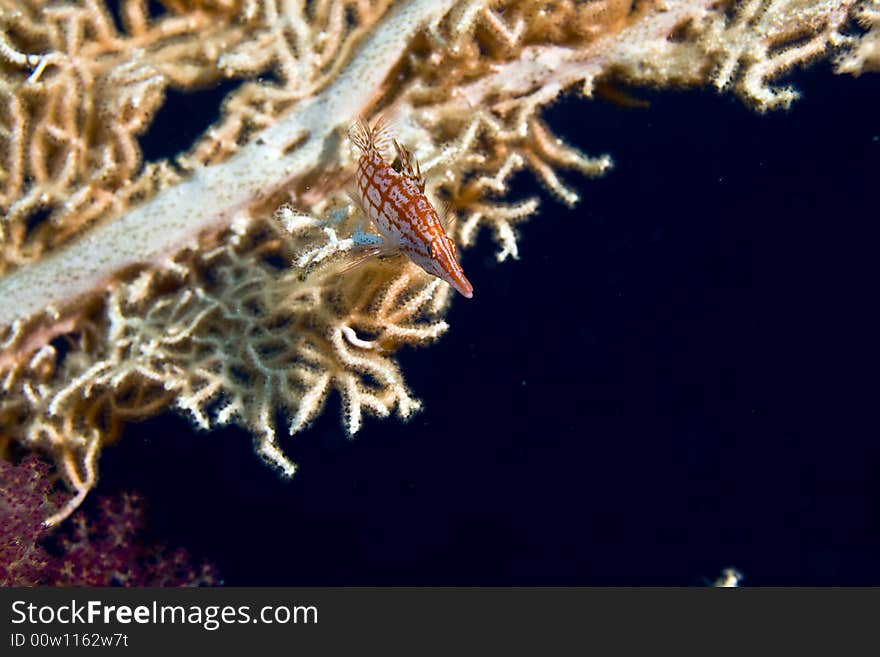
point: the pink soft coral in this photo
(105, 549)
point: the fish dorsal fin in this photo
(409, 166)
(361, 135)
(377, 138)
(382, 138)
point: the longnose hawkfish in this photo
(393, 197)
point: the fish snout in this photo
(462, 285)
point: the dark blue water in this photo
(679, 375)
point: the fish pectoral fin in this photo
(389, 249)
(355, 198)
(365, 253)
(358, 256)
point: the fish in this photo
(392, 196)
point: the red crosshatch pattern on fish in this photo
(395, 202)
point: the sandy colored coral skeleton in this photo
(213, 281)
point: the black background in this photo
(679, 375)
